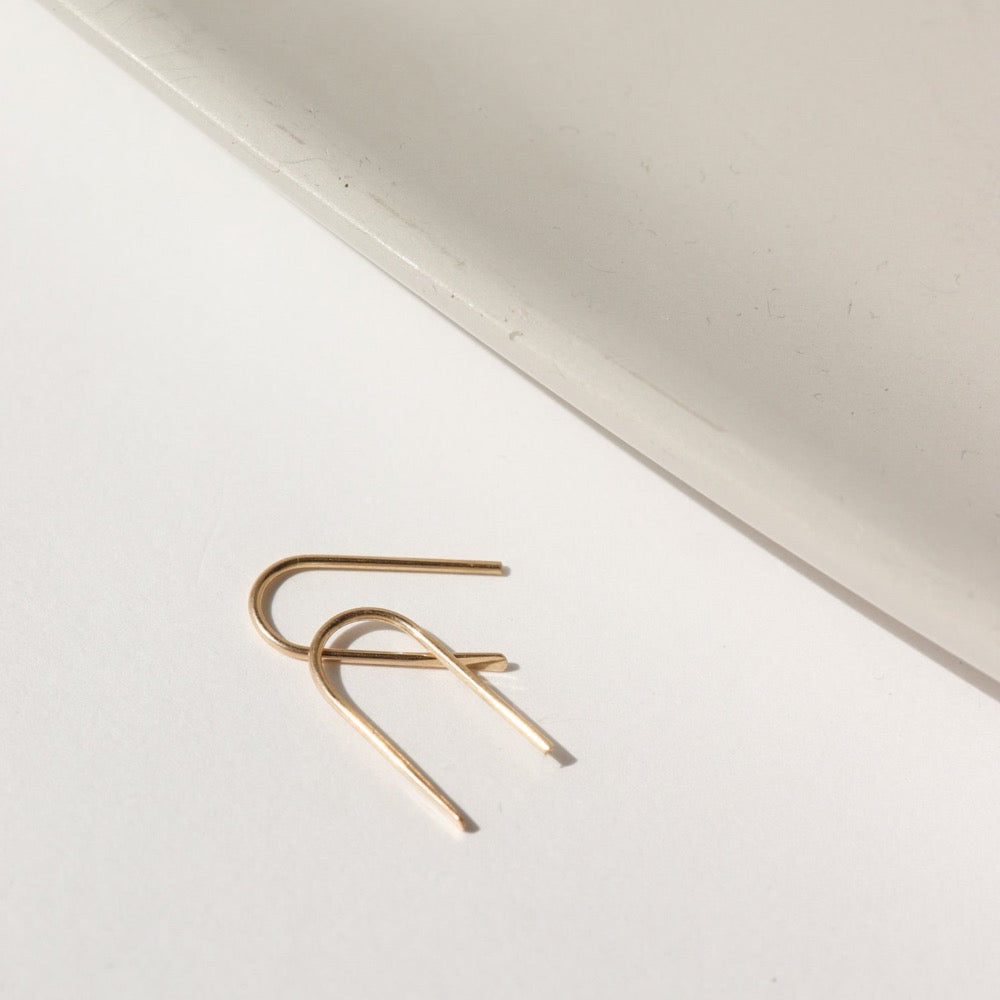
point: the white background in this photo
(775, 794)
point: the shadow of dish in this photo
(962, 670)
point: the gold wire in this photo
(318, 653)
(268, 581)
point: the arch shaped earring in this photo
(319, 655)
(268, 581)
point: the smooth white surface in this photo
(774, 796)
(759, 242)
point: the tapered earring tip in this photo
(463, 822)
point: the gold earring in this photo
(265, 585)
(376, 736)
(463, 665)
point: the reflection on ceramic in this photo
(759, 243)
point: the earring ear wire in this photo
(466, 666)
(377, 736)
(268, 582)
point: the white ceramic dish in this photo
(760, 243)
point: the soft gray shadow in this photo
(964, 671)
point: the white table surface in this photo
(776, 794)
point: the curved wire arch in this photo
(267, 583)
(319, 655)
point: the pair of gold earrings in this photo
(466, 666)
